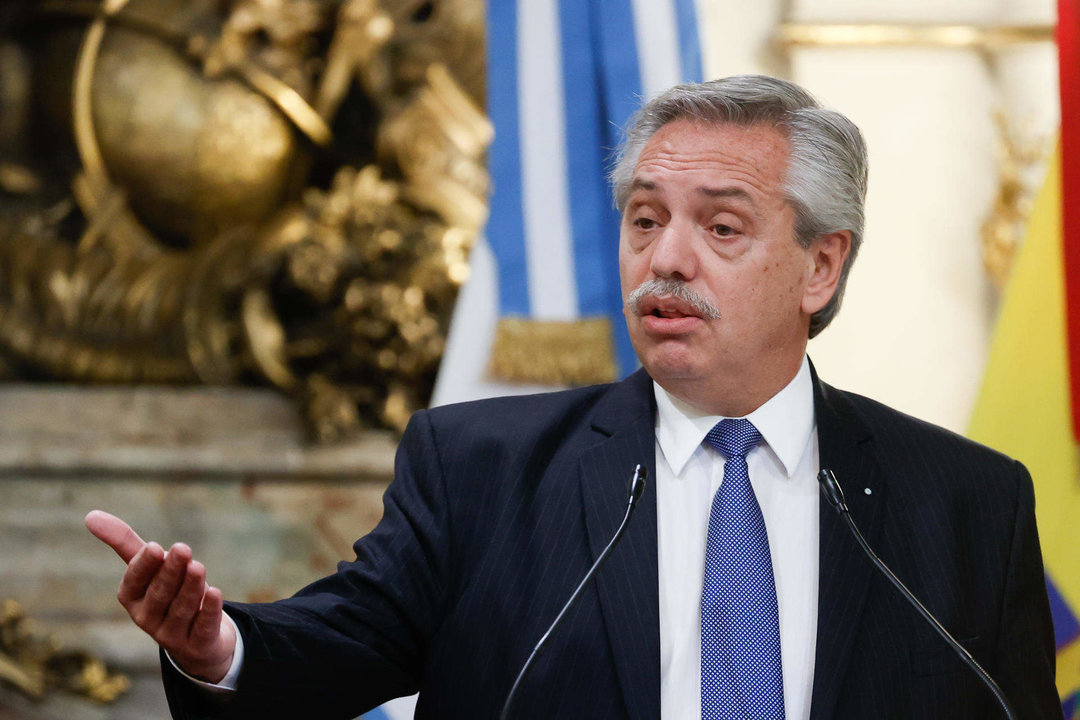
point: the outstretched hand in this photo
(167, 596)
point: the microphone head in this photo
(637, 483)
(830, 488)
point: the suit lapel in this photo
(627, 584)
(846, 447)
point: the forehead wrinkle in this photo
(743, 155)
(720, 188)
(739, 164)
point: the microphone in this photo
(633, 494)
(830, 488)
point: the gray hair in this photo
(826, 174)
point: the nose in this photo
(673, 253)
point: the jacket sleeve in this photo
(357, 638)
(1025, 654)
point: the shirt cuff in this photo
(228, 683)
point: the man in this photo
(734, 593)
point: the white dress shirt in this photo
(783, 471)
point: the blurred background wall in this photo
(917, 316)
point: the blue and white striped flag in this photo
(543, 305)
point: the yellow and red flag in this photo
(1029, 406)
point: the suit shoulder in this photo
(899, 432)
(524, 422)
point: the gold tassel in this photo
(548, 352)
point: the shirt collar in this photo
(785, 421)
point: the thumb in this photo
(115, 533)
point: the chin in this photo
(666, 364)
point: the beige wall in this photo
(920, 308)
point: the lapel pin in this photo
(868, 491)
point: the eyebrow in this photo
(711, 192)
(728, 192)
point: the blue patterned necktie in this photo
(741, 675)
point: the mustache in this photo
(660, 287)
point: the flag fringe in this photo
(546, 352)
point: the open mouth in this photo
(668, 308)
(669, 316)
(657, 312)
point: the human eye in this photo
(643, 217)
(724, 231)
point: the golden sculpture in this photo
(262, 190)
(1019, 150)
(32, 662)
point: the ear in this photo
(826, 256)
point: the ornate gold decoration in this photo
(579, 352)
(33, 663)
(789, 35)
(1003, 230)
(282, 191)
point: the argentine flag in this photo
(543, 307)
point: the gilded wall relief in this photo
(241, 191)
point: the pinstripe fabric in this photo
(955, 521)
(500, 506)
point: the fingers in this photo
(212, 640)
(142, 569)
(177, 622)
(164, 587)
(115, 533)
(207, 625)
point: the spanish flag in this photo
(1029, 406)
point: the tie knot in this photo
(734, 438)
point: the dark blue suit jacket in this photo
(500, 506)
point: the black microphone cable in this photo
(637, 487)
(830, 488)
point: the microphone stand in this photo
(637, 487)
(830, 488)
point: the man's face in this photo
(706, 209)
